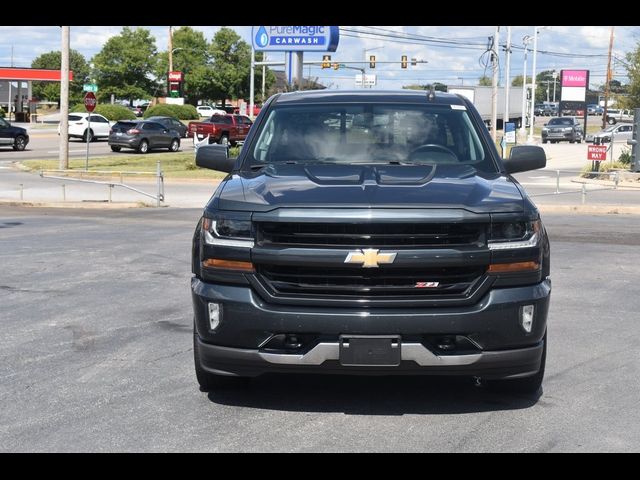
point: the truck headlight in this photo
(227, 231)
(508, 235)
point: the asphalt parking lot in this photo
(96, 353)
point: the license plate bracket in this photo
(370, 350)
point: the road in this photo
(44, 143)
(96, 354)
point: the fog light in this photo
(215, 315)
(526, 317)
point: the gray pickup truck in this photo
(370, 233)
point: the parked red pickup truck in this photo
(221, 129)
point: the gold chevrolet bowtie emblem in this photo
(370, 258)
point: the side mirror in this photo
(215, 157)
(524, 158)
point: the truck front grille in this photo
(319, 235)
(446, 282)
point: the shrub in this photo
(625, 157)
(182, 112)
(111, 112)
(1, 112)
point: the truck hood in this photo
(369, 186)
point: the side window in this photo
(98, 119)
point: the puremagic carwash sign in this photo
(290, 38)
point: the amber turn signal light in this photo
(514, 267)
(228, 264)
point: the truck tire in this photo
(526, 385)
(224, 140)
(611, 120)
(209, 381)
(19, 143)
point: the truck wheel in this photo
(611, 120)
(175, 145)
(19, 143)
(544, 140)
(224, 140)
(209, 381)
(143, 147)
(525, 385)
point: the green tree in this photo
(437, 86)
(192, 57)
(544, 81)
(231, 65)
(485, 81)
(517, 81)
(51, 90)
(125, 65)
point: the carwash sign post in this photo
(295, 38)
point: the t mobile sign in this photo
(574, 85)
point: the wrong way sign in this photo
(597, 153)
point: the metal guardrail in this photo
(65, 175)
(583, 189)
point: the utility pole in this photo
(171, 49)
(507, 81)
(64, 102)
(252, 85)
(523, 123)
(606, 86)
(533, 85)
(10, 99)
(494, 84)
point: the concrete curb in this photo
(87, 205)
(590, 209)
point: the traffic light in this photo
(326, 61)
(372, 61)
(336, 66)
(403, 61)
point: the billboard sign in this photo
(574, 85)
(290, 38)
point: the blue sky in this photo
(453, 63)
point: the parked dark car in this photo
(142, 136)
(14, 137)
(171, 123)
(562, 129)
(372, 233)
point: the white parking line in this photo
(70, 151)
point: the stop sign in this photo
(90, 101)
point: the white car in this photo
(207, 111)
(620, 133)
(79, 126)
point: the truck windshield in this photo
(370, 133)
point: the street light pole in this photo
(523, 124)
(555, 78)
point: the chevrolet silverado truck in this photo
(222, 129)
(370, 233)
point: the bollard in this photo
(64, 193)
(110, 189)
(159, 175)
(21, 191)
(584, 193)
(616, 181)
(557, 181)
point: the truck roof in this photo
(366, 96)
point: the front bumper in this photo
(505, 350)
